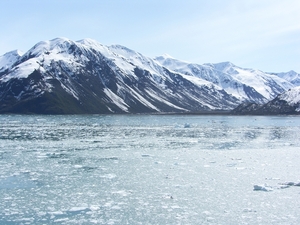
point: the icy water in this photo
(147, 169)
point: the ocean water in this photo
(149, 169)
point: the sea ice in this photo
(290, 183)
(264, 187)
(137, 169)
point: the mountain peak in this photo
(45, 46)
(122, 50)
(60, 40)
(14, 52)
(96, 78)
(167, 56)
(170, 62)
(292, 72)
(89, 42)
(292, 96)
(9, 58)
(222, 66)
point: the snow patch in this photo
(142, 99)
(9, 58)
(155, 96)
(292, 96)
(22, 71)
(116, 100)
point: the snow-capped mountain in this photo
(7, 60)
(292, 97)
(64, 76)
(244, 84)
(286, 103)
(290, 76)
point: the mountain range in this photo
(62, 76)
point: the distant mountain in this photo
(61, 76)
(8, 59)
(245, 84)
(290, 76)
(285, 103)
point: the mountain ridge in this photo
(63, 76)
(287, 103)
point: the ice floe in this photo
(290, 183)
(267, 188)
(138, 169)
(263, 187)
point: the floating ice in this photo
(257, 187)
(290, 183)
(283, 186)
(53, 172)
(279, 186)
(187, 125)
(78, 209)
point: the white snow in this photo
(257, 79)
(22, 71)
(130, 59)
(70, 91)
(9, 58)
(229, 77)
(290, 76)
(142, 99)
(200, 82)
(158, 98)
(116, 99)
(292, 96)
(221, 76)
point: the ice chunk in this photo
(257, 187)
(247, 210)
(290, 183)
(187, 125)
(284, 186)
(78, 209)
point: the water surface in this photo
(148, 169)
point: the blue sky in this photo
(260, 34)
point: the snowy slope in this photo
(285, 103)
(88, 77)
(59, 49)
(65, 76)
(266, 84)
(209, 74)
(292, 97)
(290, 76)
(245, 84)
(8, 59)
